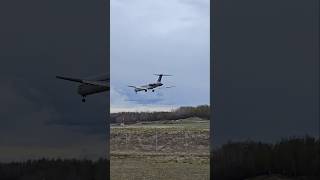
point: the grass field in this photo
(190, 123)
(160, 150)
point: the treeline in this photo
(46, 169)
(294, 157)
(202, 111)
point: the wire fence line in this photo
(160, 140)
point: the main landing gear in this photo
(83, 99)
(152, 90)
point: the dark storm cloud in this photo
(266, 69)
(39, 40)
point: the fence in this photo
(159, 140)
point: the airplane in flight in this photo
(92, 85)
(151, 86)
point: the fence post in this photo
(126, 141)
(156, 140)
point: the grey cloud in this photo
(161, 37)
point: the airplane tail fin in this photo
(160, 76)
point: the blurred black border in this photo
(215, 19)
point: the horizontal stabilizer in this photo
(163, 75)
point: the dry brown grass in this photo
(161, 151)
(159, 167)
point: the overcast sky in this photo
(159, 36)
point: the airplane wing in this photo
(95, 83)
(166, 87)
(70, 79)
(138, 88)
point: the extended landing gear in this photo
(83, 99)
(145, 90)
(152, 90)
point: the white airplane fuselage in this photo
(150, 86)
(90, 86)
(89, 89)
